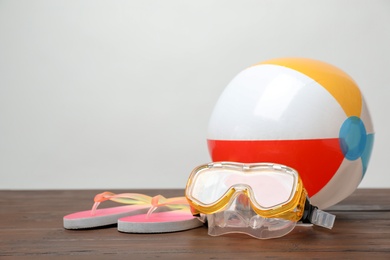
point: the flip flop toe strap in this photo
(178, 203)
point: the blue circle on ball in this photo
(353, 138)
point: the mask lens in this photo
(268, 187)
(209, 185)
(271, 189)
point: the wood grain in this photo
(31, 227)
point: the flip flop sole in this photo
(161, 222)
(102, 217)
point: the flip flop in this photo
(108, 216)
(178, 219)
(142, 205)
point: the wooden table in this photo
(31, 226)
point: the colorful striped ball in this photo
(299, 112)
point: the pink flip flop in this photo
(176, 217)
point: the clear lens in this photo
(268, 186)
(271, 188)
(210, 185)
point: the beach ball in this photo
(303, 113)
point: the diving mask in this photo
(263, 200)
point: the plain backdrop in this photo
(118, 94)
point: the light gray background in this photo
(118, 94)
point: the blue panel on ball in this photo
(353, 138)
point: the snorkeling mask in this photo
(263, 200)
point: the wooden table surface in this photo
(31, 227)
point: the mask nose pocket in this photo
(239, 217)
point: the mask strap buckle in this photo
(322, 218)
(317, 217)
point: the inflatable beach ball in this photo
(303, 113)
